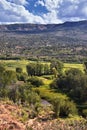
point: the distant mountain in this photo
(67, 41)
(37, 28)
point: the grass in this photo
(46, 81)
(47, 93)
(12, 64)
(73, 65)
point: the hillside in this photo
(11, 117)
(38, 28)
(67, 41)
(8, 116)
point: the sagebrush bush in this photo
(63, 108)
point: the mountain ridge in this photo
(37, 28)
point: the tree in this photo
(22, 76)
(58, 65)
(56, 106)
(85, 66)
(46, 69)
(74, 83)
(19, 93)
(2, 69)
(19, 70)
(31, 69)
(8, 77)
(24, 93)
(63, 107)
(35, 81)
(73, 71)
(39, 69)
(55, 72)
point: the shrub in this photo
(35, 81)
(84, 112)
(54, 85)
(56, 106)
(19, 70)
(68, 108)
(63, 108)
(24, 116)
(24, 93)
(22, 77)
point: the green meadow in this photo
(73, 65)
(12, 64)
(47, 79)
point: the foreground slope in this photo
(10, 115)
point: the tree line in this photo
(38, 69)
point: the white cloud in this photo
(16, 13)
(57, 11)
(52, 7)
(19, 2)
(84, 10)
(50, 4)
(52, 17)
(39, 2)
(74, 1)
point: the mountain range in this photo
(66, 41)
(38, 28)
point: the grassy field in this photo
(70, 65)
(12, 64)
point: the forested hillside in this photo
(65, 41)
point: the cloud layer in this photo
(57, 11)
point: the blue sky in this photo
(42, 11)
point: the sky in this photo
(42, 11)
